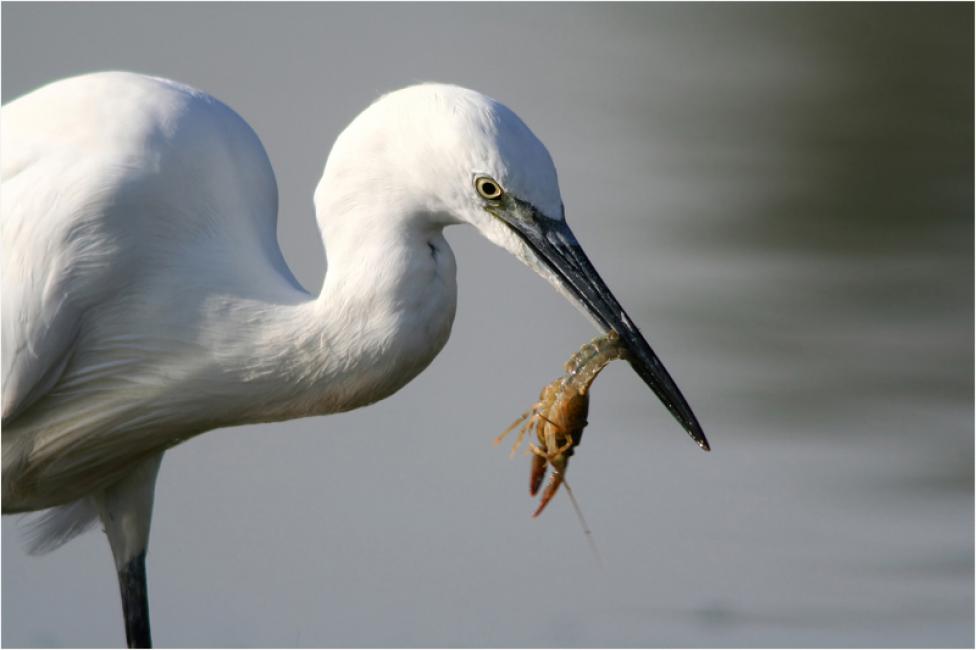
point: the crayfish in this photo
(559, 416)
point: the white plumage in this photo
(146, 300)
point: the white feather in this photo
(146, 300)
(50, 529)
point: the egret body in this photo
(146, 300)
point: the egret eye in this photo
(488, 187)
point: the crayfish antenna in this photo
(586, 529)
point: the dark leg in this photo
(135, 602)
(126, 512)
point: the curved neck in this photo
(388, 301)
(385, 310)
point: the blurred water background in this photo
(782, 196)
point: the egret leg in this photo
(135, 602)
(126, 512)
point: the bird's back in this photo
(127, 202)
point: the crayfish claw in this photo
(538, 472)
(554, 482)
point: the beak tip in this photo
(695, 431)
(698, 436)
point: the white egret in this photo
(146, 300)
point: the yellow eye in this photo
(488, 187)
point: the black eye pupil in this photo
(488, 188)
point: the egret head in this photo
(441, 154)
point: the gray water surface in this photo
(782, 197)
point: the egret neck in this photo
(384, 312)
(390, 295)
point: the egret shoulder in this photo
(106, 178)
(145, 134)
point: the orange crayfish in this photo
(559, 416)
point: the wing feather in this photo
(128, 205)
(109, 181)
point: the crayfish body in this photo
(559, 417)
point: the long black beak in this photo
(555, 245)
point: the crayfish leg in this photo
(521, 433)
